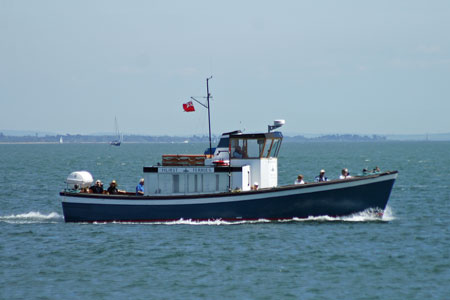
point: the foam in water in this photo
(194, 222)
(388, 214)
(368, 215)
(32, 217)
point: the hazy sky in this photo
(360, 67)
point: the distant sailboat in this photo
(119, 138)
(60, 140)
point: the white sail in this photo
(119, 138)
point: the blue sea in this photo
(405, 254)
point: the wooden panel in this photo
(183, 160)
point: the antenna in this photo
(209, 115)
(276, 124)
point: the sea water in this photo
(404, 254)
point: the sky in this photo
(328, 66)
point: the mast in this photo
(208, 95)
(209, 114)
(116, 127)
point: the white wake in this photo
(32, 217)
(368, 215)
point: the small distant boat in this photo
(60, 140)
(119, 138)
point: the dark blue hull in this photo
(335, 198)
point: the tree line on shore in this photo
(78, 138)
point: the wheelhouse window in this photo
(267, 147)
(275, 148)
(254, 147)
(223, 142)
(237, 148)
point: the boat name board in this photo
(185, 170)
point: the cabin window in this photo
(267, 147)
(275, 148)
(176, 183)
(188, 185)
(237, 148)
(247, 148)
(253, 147)
(223, 143)
(195, 183)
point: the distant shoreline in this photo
(142, 139)
(206, 142)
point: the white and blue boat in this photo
(220, 186)
(237, 180)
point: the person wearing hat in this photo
(321, 177)
(97, 188)
(345, 174)
(112, 189)
(255, 186)
(140, 188)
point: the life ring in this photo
(221, 162)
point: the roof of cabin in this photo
(232, 132)
(269, 135)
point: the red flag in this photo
(188, 106)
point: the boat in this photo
(119, 137)
(61, 140)
(220, 186)
(235, 181)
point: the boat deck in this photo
(309, 185)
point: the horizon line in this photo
(8, 132)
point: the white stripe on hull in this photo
(243, 196)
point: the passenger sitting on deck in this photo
(345, 174)
(255, 186)
(321, 177)
(299, 180)
(112, 189)
(376, 170)
(140, 188)
(237, 152)
(97, 188)
(75, 188)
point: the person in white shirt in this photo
(345, 174)
(299, 180)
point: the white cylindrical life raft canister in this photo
(79, 180)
